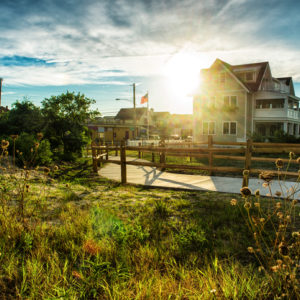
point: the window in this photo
(249, 76)
(230, 101)
(209, 127)
(222, 77)
(229, 128)
(269, 103)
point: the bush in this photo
(31, 152)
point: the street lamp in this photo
(134, 106)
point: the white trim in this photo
(230, 100)
(229, 128)
(208, 122)
(262, 79)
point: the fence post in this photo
(116, 150)
(153, 155)
(123, 162)
(162, 153)
(210, 154)
(94, 157)
(189, 146)
(107, 148)
(140, 144)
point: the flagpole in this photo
(148, 116)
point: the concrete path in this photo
(151, 176)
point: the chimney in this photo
(1, 79)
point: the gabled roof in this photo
(289, 82)
(128, 113)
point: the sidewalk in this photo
(150, 176)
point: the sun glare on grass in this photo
(182, 73)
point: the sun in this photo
(183, 73)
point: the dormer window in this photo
(249, 76)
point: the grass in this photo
(84, 237)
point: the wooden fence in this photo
(239, 151)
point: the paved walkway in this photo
(151, 176)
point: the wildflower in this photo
(280, 215)
(6, 153)
(279, 163)
(283, 249)
(4, 144)
(265, 185)
(291, 155)
(295, 234)
(278, 205)
(294, 202)
(257, 204)
(279, 261)
(266, 176)
(246, 173)
(247, 205)
(250, 249)
(245, 191)
(233, 202)
(262, 220)
(55, 168)
(39, 136)
(288, 218)
(213, 291)
(275, 269)
(298, 160)
(76, 275)
(261, 268)
(36, 145)
(257, 193)
(21, 153)
(278, 193)
(31, 149)
(46, 170)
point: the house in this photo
(234, 101)
(129, 123)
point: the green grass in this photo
(85, 237)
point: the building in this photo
(234, 101)
(129, 123)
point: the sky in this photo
(101, 47)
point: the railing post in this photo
(162, 153)
(116, 150)
(153, 154)
(140, 150)
(107, 149)
(123, 162)
(189, 146)
(94, 157)
(210, 154)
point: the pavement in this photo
(151, 176)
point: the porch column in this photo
(285, 127)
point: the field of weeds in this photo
(68, 234)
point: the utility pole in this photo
(1, 79)
(134, 111)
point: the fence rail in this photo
(210, 150)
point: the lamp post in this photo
(134, 108)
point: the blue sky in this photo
(101, 47)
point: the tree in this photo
(23, 117)
(65, 117)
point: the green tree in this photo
(23, 117)
(65, 117)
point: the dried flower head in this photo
(266, 176)
(275, 269)
(36, 145)
(262, 220)
(247, 205)
(4, 144)
(257, 193)
(91, 247)
(298, 160)
(296, 234)
(76, 275)
(39, 136)
(278, 193)
(280, 215)
(291, 155)
(14, 136)
(250, 249)
(245, 191)
(55, 168)
(283, 249)
(246, 173)
(279, 163)
(294, 202)
(265, 185)
(31, 149)
(278, 205)
(233, 202)
(46, 170)
(257, 204)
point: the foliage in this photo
(65, 117)
(23, 117)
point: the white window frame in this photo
(253, 76)
(208, 127)
(230, 100)
(229, 128)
